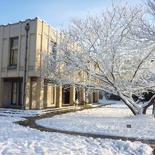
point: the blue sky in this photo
(54, 12)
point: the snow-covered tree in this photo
(146, 27)
(103, 53)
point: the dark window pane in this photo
(20, 93)
(13, 51)
(14, 93)
(14, 43)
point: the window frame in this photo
(13, 51)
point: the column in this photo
(54, 95)
(82, 96)
(90, 97)
(59, 96)
(72, 95)
(1, 91)
(33, 98)
(40, 94)
(27, 102)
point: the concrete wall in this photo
(17, 30)
(39, 37)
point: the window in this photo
(53, 49)
(16, 93)
(13, 51)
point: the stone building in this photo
(12, 59)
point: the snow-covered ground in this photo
(33, 113)
(108, 120)
(17, 140)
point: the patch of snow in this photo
(105, 102)
(32, 113)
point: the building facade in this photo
(39, 93)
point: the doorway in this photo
(66, 95)
(13, 93)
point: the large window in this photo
(13, 51)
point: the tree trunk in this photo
(150, 102)
(127, 102)
(136, 109)
(132, 110)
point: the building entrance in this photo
(13, 93)
(66, 95)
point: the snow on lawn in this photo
(108, 120)
(17, 140)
